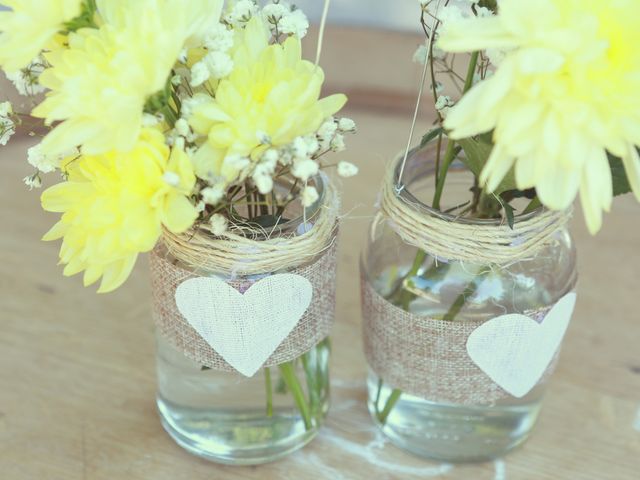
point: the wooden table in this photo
(78, 381)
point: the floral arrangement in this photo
(549, 105)
(548, 109)
(166, 117)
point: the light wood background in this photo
(77, 380)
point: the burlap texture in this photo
(427, 357)
(313, 327)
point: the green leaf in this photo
(477, 151)
(619, 176)
(431, 135)
(508, 211)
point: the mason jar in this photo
(421, 306)
(218, 413)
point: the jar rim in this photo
(402, 188)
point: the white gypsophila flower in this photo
(271, 156)
(347, 169)
(47, 163)
(337, 144)
(483, 12)
(327, 131)
(218, 224)
(420, 55)
(26, 80)
(213, 195)
(176, 80)
(450, 14)
(182, 127)
(171, 178)
(235, 163)
(304, 147)
(241, 12)
(191, 103)
(304, 169)
(295, 23)
(286, 157)
(219, 38)
(7, 125)
(201, 206)
(33, 181)
(199, 74)
(263, 177)
(274, 12)
(6, 109)
(309, 196)
(444, 104)
(346, 125)
(219, 64)
(150, 120)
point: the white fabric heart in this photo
(515, 350)
(245, 329)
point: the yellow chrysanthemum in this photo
(271, 94)
(114, 206)
(566, 92)
(99, 85)
(30, 26)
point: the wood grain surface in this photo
(77, 382)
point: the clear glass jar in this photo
(232, 419)
(442, 430)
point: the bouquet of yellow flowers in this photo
(165, 116)
(550, 104)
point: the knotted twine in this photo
(241, 261)
(428, 357)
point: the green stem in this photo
(269, 390)
(449, 156)
(450, 153)
(312, 383)
(406, 296)
(377, 400)
(289, 375)
(473, 63)
(533, 205)
(459, 302)
(389, 404)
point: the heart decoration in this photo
(245, 329)
(515, 350)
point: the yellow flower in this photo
(30, 26)
(99, 86)
(114, 206)
(271, 96)
(566, 92)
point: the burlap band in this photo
(426, 357)
(313, 327)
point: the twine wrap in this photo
(447, 237)
(427, 357)
(241, 262)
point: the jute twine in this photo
(241, 262)
(447, 237)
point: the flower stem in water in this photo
(289, 375)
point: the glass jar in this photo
(463, 294)
(227, 417)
